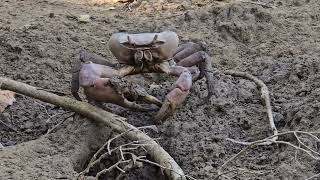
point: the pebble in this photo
(51, 15)
(84, 18)
(279, 119)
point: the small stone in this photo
(154, 86)
(279, 119)
(84, 18)
(51, 15)
(75, 38)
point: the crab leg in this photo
(134, 106)
(178, 94)
(190, 56)
(185, 50)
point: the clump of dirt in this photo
(277, 41)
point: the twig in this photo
(111, 167)
(45, 109)
(59, 124)
(299, 148)
(119, 135)
(313, 177)
(122, 171)
(115, 122)
(236, 170)
(110, 140)
(94, 161)
(307, 147)
(232, 158)
(272, 137)
(270, 140)
(48, 120)
(126, 168)
(122, 152)
(264, 95)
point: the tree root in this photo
(301, 147)
(115, 122)
(127, 157)
(264, 95)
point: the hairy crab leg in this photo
(178, 94)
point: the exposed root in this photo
(59, 124)
(94, 160)
(301, 147)
(314, 177)
(264, 95)
(127, 159)
(115, 122)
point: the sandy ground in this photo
(277, 41)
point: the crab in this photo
(142, 53)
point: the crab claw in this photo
(175, 97)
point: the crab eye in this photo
(148, 56)
(138, 56)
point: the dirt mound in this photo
(277, 41)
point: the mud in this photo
(277, 41)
